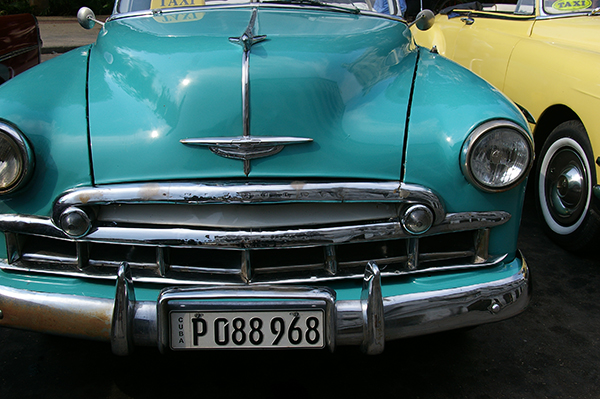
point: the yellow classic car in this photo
(545, 56)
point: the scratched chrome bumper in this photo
(368, 322)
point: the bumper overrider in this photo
(244, 282)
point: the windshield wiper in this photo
(353, 10)
(595, 11)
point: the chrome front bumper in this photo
(368, 322)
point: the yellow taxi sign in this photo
(175, 3)
(571, 5)
(178, 17)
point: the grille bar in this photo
(239, 239)
(209, 265)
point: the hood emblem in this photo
(246, 147)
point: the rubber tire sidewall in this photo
(580, 234)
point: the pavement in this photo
(62, 34)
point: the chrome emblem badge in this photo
(246, 148)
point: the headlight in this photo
(497, 156)
(16, 159)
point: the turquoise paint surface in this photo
(47, 104)
(342, 80)
(448, 103)
(345, 84)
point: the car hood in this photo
(339, 79)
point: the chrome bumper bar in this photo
(368, 322)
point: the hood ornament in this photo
(246, 147)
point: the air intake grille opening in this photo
(226, 265)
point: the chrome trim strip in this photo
(405, 315)
(246, 140)
(249, 193)
(185, 237)
(247, 40)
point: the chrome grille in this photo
(221, 265)
(264, 233)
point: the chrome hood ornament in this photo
(246, 147)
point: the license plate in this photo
(246, 317)
(248, 329)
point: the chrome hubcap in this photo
(567, 193)
(566, 187)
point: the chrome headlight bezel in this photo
(18, 149)
(472, 150)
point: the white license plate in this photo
(247, 329)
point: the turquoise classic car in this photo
(274, 174)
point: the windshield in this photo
(569, 6)
(393, 7)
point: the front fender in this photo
(48, 105)
(461, 101)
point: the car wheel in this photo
(564, 181)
